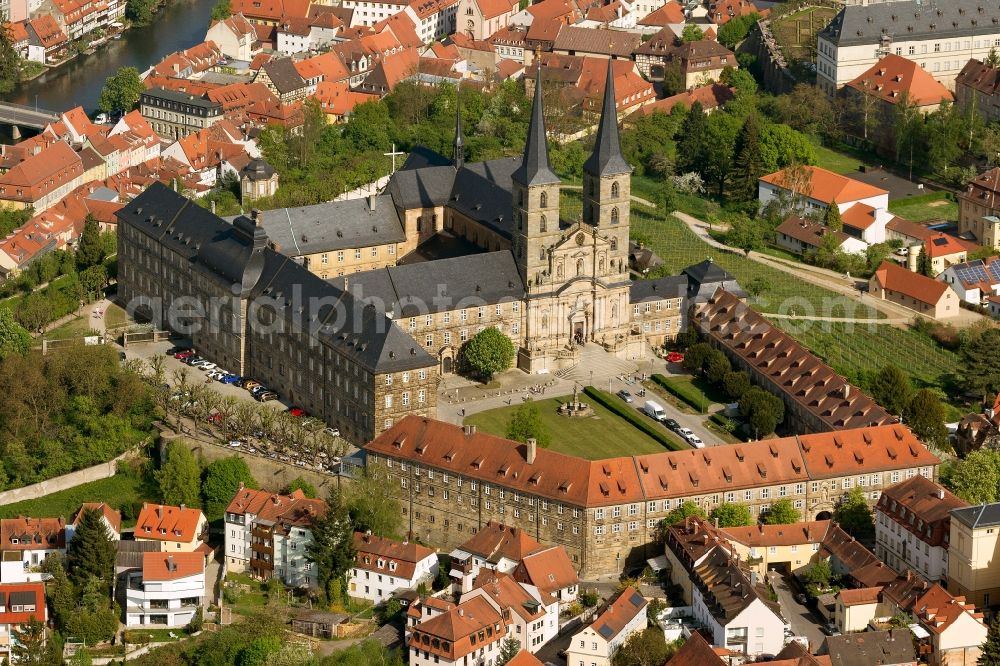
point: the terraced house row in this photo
(452, 480)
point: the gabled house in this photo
(478, 19)
(175, 528)
(979, 209)
(167, 592)
(974, 281)
(31, 540)
(532, 619)
(111, 518)
(919, 293)
(888, 648)
(551, 571)
(468, 633)
(235, 37)
(977, 87)
(621, 619)
(383, 567)
(495, 546)
(19, 604)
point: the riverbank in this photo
(178, 25)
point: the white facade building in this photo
(597, 644)
(941, 37)
(533, 620)
(383, 567)
(168, 590)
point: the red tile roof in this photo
(399, 557)
(910, 229)
(710, 97)
(724, 11)
(158, 566)
(943, 245)
(508, 594)
(494, 8)
(549, 570)
(779, 360)
(937, 609)
(18, 31)
(696, 651)
(32, 533)
(48, 31)
(859, 216)
(829, 187)
(922, 507)
(113, 517)
(168, 523)
(759, 536)
(36, 590)
(860, 595)
(671, 13)
(894, 277)
(894, 77)
(456, 630)
(619, 613)
(524, 658)
(496, 540)
(807, 231)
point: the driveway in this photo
(799, 616)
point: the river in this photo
(178, 25)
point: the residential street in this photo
(803, 622)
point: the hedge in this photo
(719, 419)
(684, 391)
(640, 421)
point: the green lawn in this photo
(837, 161)
(117, 491)
(604, 435)
(75, 328)
(933, 206)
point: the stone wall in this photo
(773, 68)
(64, 482)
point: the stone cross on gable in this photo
(393, 154)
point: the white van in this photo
(654, 410)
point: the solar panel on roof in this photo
(605, 631)
(636, 599)
(940, 241)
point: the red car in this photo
(675, 357)
(184, 354)
(297, 412)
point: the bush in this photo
(589, 598)
(684, 391)
(633, 417)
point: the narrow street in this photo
(802, 619)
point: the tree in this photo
(121, 91)
(749, 166)
(763, 410)
(14, 339)
(692, 33)
(91, 553)
(981, 356)
(332, 546)
(93, 281)
(139, 12)
(720, 142)
(90, 250)
(746, 234)
(526, 423)
(180, 477)
(10, 61)
(35, 311)
(221, 480)
(891, 388)
(855, 516)
(28, 644)
(222, 10)
(298, 483)
(782, 512)
(373, 505)
(258, 651)
(990, 655)
(717, 366)
(691, 149)
(925, 416)
(736, 29)
(818, 576)
(909, 130)
(688, 508)
(508, 650)
(61, 595)
(976, 479)
(735, 384)
(489, 352)
(832, 219)
(697, 355)
(646, 648)
(729, 514)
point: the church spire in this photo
(459, 153)
(535, 169)
(607, 159)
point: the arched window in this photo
(614, 244)
(541, 253)
(543, 200)
(541, 224)
(614, 216)
(559, 270)
(600, 266)
(579, 267)
(614, 190)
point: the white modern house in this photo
(974, 281)
(597, 644)
(863, 208)
(733, 603)
(167, 591)
(383, 567)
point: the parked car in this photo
(248, 383)
(675, 357)
(830, 629)
(332, 432)
(625, 395)
(801, 598)
(258, 389)
(696, 442)
(685, 432)
(297, 412)
(654, 410)
(183, 354)
(207, 365)
(264, 396)
(670, 423)
(173, 351)
(234, 443)
(230, 379)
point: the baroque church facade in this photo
(355, 309)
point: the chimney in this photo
(469, 429)
(532, 449)
(940, 493)
(171, 565)
(461, 612)
(213, 206)
(255, 216)
(371, 202)
(183, 506)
